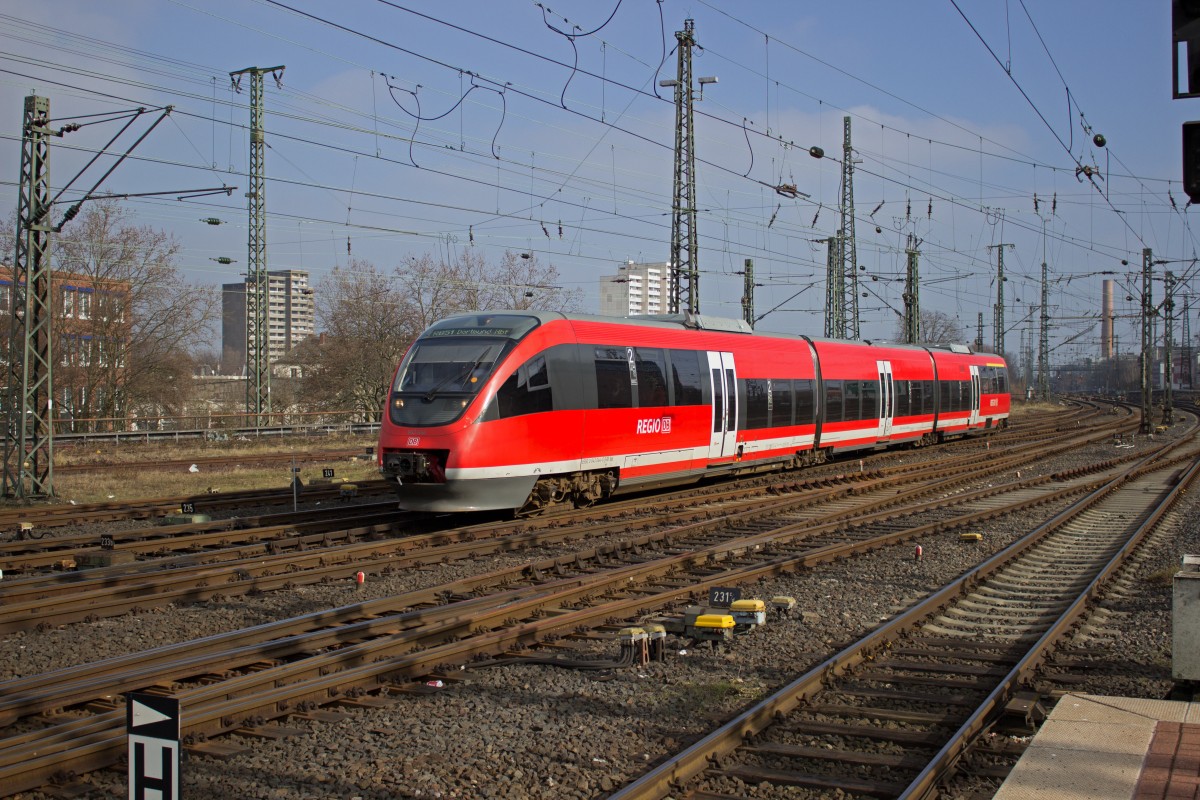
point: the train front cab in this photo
(445, 383)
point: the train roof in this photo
(724, 325)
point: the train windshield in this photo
(449, 364)
(439, 366)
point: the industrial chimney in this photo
(1106, 320)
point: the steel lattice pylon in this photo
(835, 296)
(258, 366)
(1147, 338)
(1168, 412)
(912, 297)
(998, 308)
(1044, 338)
(848, 250)
(29, 432)
(684, 268)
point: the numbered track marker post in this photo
(723, 596)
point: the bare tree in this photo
(520, 281)
(368, 319)
(469, 283)
(367, 324)
(126, 319)
(436, 289)
(937, 327)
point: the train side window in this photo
(1001, 380)
(781, 403)
(833, 401)
(613, 388)
(805, 406)
(687, 378)
(853, 401)
(758, 408)
(651, 381)
(902, 399)
(527, 390)
(870, 400)
(944, 396)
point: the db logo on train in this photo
(414, 441)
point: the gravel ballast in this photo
(543, 732)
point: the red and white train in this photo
(528, 409)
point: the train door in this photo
(976, 391)
(887, 398)
(723, 440)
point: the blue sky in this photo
(944, 138)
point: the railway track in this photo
(287, 553)
(271, 673)
(43, 519)
(890, 715)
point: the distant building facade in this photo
(92, 325)
(635, 289)
(291, 317)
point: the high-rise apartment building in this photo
(291, 317)
(635, 289)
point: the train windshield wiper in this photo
(446, 381)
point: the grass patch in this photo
(175, 480)
(126, 485)
(1163, 578)
(697, 698)
(1020, 407)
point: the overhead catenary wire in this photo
(776, 229)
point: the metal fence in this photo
(214, 426)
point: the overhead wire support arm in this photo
(181, 194)
(89, 195)
(96, 157)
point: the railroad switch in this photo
(716, 625)
(715, 628)
(657, 636)
(635, 647)
(748, 614)
(1027, 708)
(783, 605)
